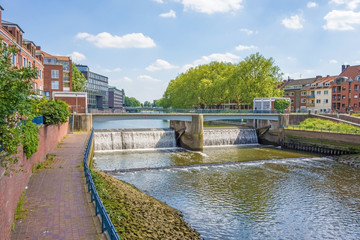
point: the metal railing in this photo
(106, 224)
(330, 130)
(200, 111)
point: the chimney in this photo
(318, 77)
(1, 9)
(38, 48)
(343, 67)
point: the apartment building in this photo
(319, 95)
(96, 88)
(116, 98)
(29, 55)
(57, 74)
(297, 90)
(345, 90)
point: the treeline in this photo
(217, 83)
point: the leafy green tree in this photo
(281, 104)
(132, 102)
(147, 104)
(78, 80)
(54, 111)
(255, 77)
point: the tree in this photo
(147, 104)
(281, 104)
(15, 87)
(132, 102)
(78, 79)
(255, 77)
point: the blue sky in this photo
(142, 44)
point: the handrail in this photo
(106, 224)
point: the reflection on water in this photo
(300, 197)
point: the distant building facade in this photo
(296, 90)
(96, 88)
(116, 98)
(57, 74)
(267, 104)
(319, 95)
(28, 54)
(345, 90)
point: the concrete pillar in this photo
(191, 133)
(283, 120)
(83, 122)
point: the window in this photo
(54, 73)
(343, 97)
(318, 101)
(291, 94)
(355, 96)
(286, 94)
(334, 89)
(320, 84)
(29, 64)
(40, 74)
(303, 93)
(13, 59)
(24, 62)
(318, 92)
(54, 84)
(326, 101)
(356, 88)
(327, 84)
(303, 100)
(292, 100)
(47, 95)
(313, 85)
(355, 105)
(326, 92)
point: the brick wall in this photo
(13, 185)
(48, 79)
(75, 103)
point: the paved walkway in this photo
(57, 201)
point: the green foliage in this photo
(327, 125)
(20, 212)
(78, 79)
(54, 112)
(217, 83)
(132, 102)
(147, 104)
(281, 104)
(30, 140)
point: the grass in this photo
(45, 164)
(356, 115)
(20, 212)
(314, 124)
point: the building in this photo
(96, 88)
(319, 95)
(116, 98)
(345, 90)
(296, 90)
(29, 54)
(267, 104)
(77, 101)
(57, 74)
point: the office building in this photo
(116, 98)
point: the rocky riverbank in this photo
(351, 159)
(137, 215)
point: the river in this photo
(248, 192)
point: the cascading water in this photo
(107, 140)
(229, 136)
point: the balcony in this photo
(310, 96)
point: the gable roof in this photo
(351, 72)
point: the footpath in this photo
(57, 203)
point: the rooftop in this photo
(10, 24)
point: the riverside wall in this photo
(13, 182)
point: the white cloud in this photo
(218, 57)
(160, 64)
(159, 1)
(350, 4)
(126, 79)
(243, 47)
(148, 78)
(77, 57)
(311, 4)
(341, 20)
(294, 22)
(106, 40)
(357, 62)
(333, 61)
(248, 31)
(171, 14)
(291, 59)
(212, 6)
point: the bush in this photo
(54, 112)
(281, 104)
(30, 140)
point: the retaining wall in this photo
(14, 183)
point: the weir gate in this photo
(188, 126)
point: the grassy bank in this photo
(315, 124)
(136, 215)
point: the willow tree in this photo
(255, 77)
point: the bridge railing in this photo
(200, 111)
(106, 224)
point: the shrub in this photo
(54, 112)
(30, 139)
(281, 104)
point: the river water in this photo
(248, 192)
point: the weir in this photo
(229, 136)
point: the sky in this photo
(143, 44)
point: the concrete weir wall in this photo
(190, 134)
(13, 183)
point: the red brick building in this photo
(345, 90)
(29, 54)
(57, 74)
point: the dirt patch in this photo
(136, 215)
